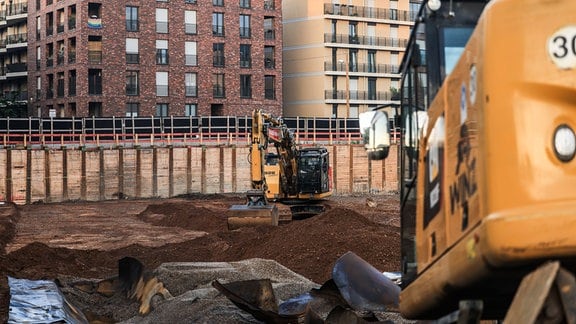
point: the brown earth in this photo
(86, 239)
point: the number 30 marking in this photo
(562, 47)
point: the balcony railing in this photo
(71, 23)
(16, 9)
(269, 4)
(369, 12)
(362, 67)
(16, 67)
(71, 57)
(17, 38)
(95, 57)
(162, 90)
(365, 40)
(218, 91)
(190, 28)
(191, 60)
(132, 58)
(359, 95)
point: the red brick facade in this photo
(111, 14)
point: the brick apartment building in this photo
(143, 58)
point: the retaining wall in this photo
(57, 175)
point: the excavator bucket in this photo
(257, 211)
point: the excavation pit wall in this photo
(57, 175)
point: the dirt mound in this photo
(185, 215)
(309, 247)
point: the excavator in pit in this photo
(300, 177)
(487, 162)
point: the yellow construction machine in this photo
(300, 176)
(487, 168)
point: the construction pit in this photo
(186, 243)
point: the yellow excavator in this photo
(487, 168)
(299, 176)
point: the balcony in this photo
(369, 12)
(365, 40)
(17, 40)
(359, 95)
(363, 67)
(16, 12)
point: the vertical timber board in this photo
(129, 174)
(74, 172)
(180, 174)
(37, 176)
(233, 170)
(221, 169)
(334, 169)
(138, 174)
(83, 176)
(102, 177)
(111, 166)
(93, 175)
(342, 177)
(228, 172)
(351, 166)
(54, 175)
(377, 175)
(162, 172)
(28, 176)
(170, 171)
(392, 170)
(189, 170)
(196, 169)
(8, 182)
(120, 172)
(212, 170)
(46, 176)
(64, 174)
(18, 174)
(359, 175)
(146, 175)
(3, 171)
(154, 174)
(243, 169)
(203, 171)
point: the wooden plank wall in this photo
(28, 176)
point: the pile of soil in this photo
(309, 247)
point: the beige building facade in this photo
(342, 57)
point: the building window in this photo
(190, 110)
(269, 87)
(132, 55)
(244, 26)
(190, 84)
(371, 88)
(245, 55)
(189, 1)
(162, 20)
(218, 86)
(60, 84)
(95, 109)
(334, 110)
(94, 15)
(269, 4)
(71, 17)
(162, 84)
(219, 3)
(161, 51)
(372, 61)
(162, 110)
(132, 109)
(245, 86)
(393, 10)
(95, 49)
(132, 19)
(190, 24)
(353, 33)
(190, 54)
(269, 33)
(353, 60)
(218, 54)
(94, 81)
(269, 61)
(218, 24)
(72, 83)
(72, 50)
(132, 84)
(244, 3)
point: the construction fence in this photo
(69, 173)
